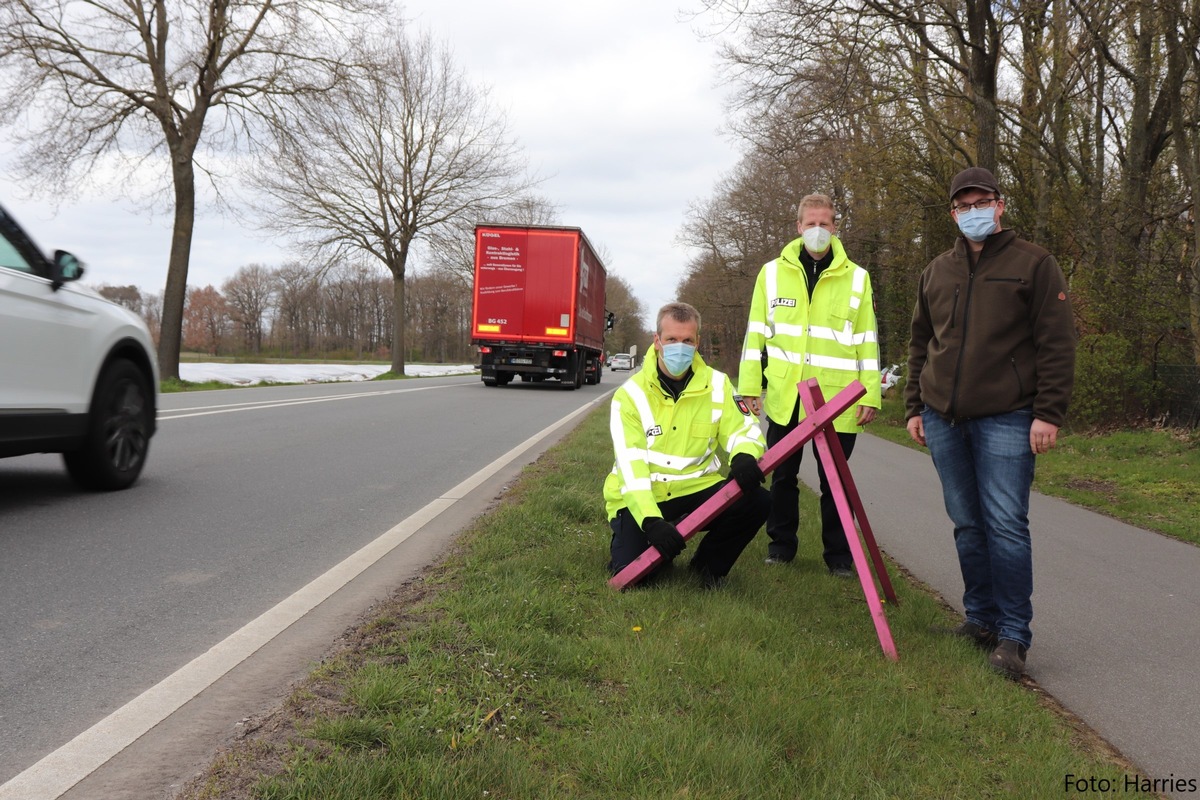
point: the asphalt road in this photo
(1116, 630)
(248, 496)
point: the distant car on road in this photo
(78, 374)
(620, 361)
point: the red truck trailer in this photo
(539, 305)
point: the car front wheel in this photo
(118, 437)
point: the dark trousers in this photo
(784, 521)
(718, 549)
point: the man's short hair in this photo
(680, 312)
(814, 201)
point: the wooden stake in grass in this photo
(845, 497)
(817, 424)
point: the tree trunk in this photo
(398, 325)
(982, 67)
(175, 293)
(1194, 315)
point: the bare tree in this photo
(135, 78)
(408, 148)
(205, 320)
(297, 289)
(630, 327)
(248, 297)
(128, 296)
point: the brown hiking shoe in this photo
(976, 634)
(1009, 659)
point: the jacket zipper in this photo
(1021, 281)
(954, 308)
(1020, 386)
(962, 348)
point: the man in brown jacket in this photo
(990, 369)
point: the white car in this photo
(79, 375)
(620, 361)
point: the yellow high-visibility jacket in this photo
(831, 338)
(667, 448)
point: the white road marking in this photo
(56, 773)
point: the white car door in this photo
(43, 340)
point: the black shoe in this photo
(1009, 659)
(774, 559)
(976, 634)
(707, 578)
(842, 572)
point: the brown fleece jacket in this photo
(993, 339)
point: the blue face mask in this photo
(677, 357)
(977, 223)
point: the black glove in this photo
(744, 469)
(664, 536)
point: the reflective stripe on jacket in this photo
(667, 448)
(830, 337)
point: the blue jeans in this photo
(986, 468)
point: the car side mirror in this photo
(66, 268)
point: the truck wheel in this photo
(118, 436)
(504, 379)
(489, 381)
(574, 375)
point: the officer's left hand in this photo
(865, 414)
(744, 469)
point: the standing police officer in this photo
(813, 313)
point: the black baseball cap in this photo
(974, 178)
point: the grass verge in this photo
(511, 670)
(1146, 477)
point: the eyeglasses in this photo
(979, 204)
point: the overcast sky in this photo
(616, 103)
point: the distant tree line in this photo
(1088, 113)
(343, 312)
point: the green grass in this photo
(1147, 477)
(513, 671)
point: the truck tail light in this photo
(485, 349)
(560, 353)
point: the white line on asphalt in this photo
(59, 771)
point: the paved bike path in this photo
(1116, 608)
